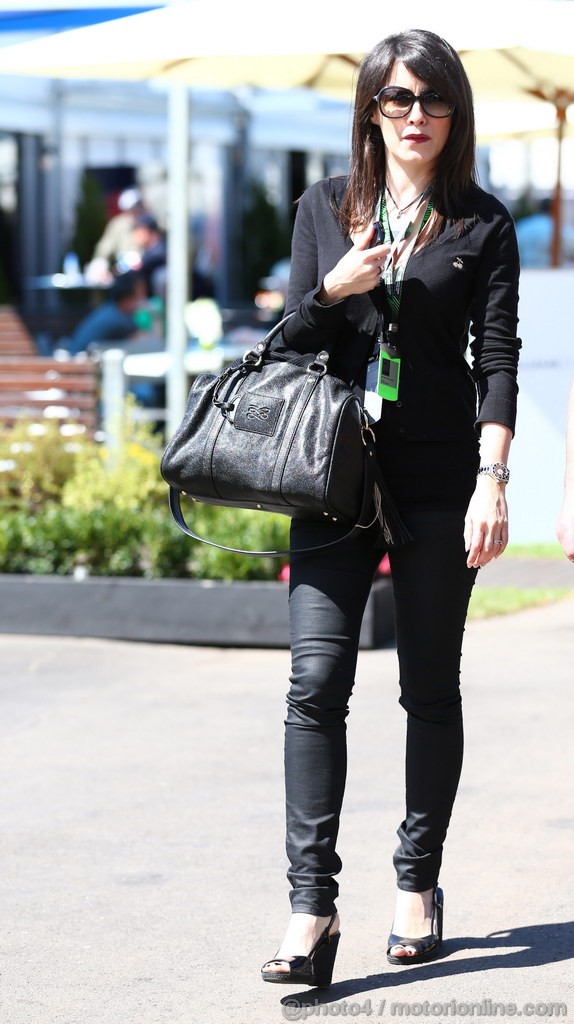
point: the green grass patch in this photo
(534, 551)
(488, 601)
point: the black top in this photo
(449, 283)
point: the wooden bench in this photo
(14, 336)
(35, 387)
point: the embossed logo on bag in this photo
(258, 413)
(255, 412)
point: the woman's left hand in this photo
(486, 522)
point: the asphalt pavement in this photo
(143, 868)
(527, 573)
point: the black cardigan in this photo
(449, 283)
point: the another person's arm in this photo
(565, 530)
(107, 246)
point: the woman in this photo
(397, 311)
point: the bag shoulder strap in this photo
(370, 480)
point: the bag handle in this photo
(254, 356)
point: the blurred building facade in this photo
(53, 133)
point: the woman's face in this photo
(416, 140)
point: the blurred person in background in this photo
(534, 234)
(115, 319)
(150, 242)
(117, 241)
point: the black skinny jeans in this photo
(328, 593)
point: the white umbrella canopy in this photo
(546, 76)
(204, 42)
(227, 44)
(520, 71)
(497, 120)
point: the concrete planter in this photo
(204, 612)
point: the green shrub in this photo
(67, 501)
(56, 540)
(130, 481)
(113, 541)
(238, 528)
(36, 461)
(90, 217)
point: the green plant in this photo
(265, 238)
(165, 550)
(90, 217)
(5, 292)
(129, 480)
(67, 501)
(237, 528)
(57, 540)
(36, 461)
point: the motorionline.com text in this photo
(294, 1010)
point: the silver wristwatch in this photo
(497, 470)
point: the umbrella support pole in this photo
(178, 255)
(556, 251)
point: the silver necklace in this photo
(400, 210)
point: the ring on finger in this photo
(498, 542)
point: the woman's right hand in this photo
(357, 272)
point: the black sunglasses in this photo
(393, 101)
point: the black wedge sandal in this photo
(315, 968)
(427, 948)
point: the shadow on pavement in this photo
(542, 944)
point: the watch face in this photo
(500, 471)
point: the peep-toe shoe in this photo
(314, 968)
(427, 947)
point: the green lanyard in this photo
(392, 277)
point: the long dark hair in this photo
(435, 62)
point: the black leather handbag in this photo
(280, 435)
